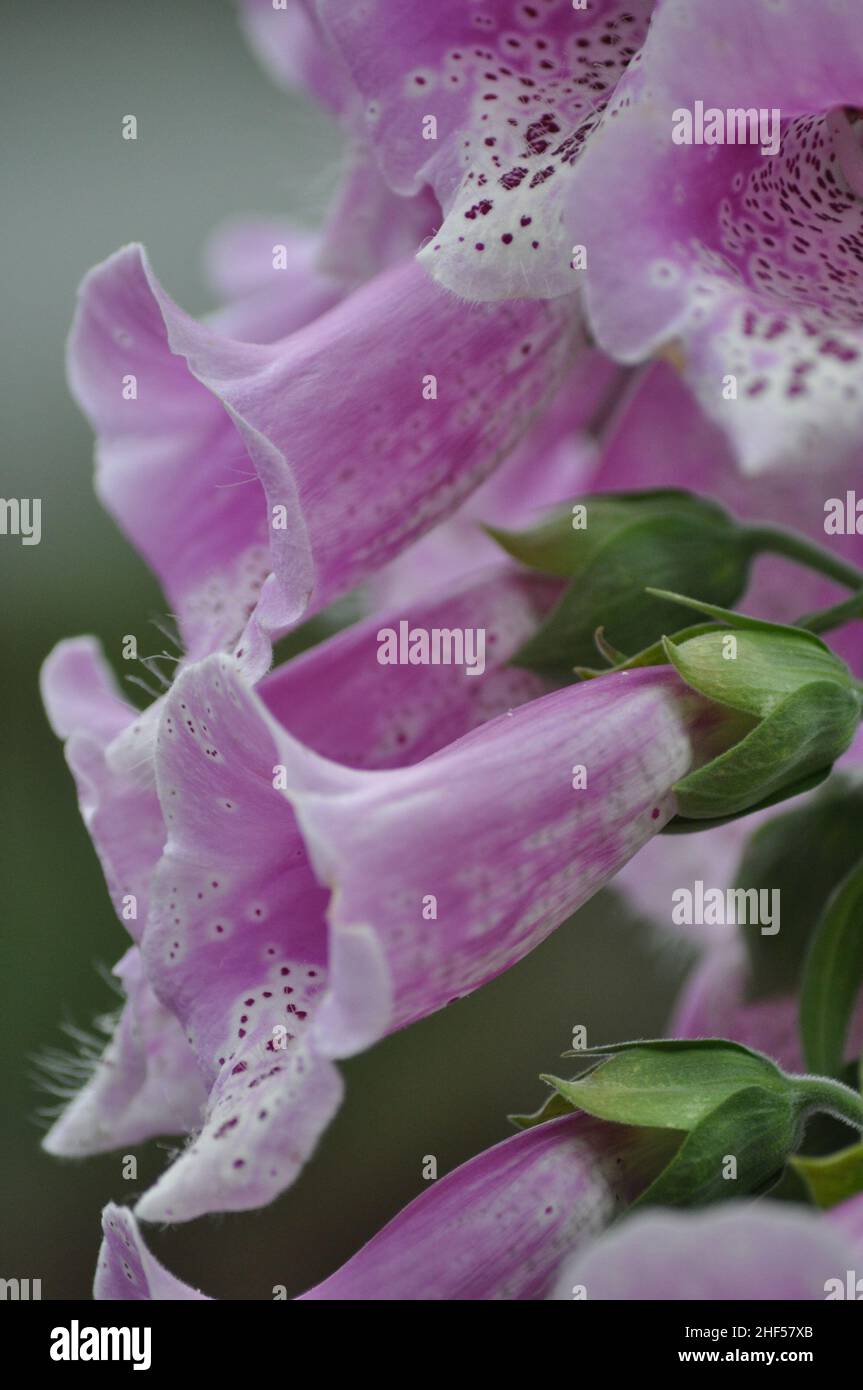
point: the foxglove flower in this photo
(261, 481)
(250, 518)
(230, 781)
(740, 1252)
(744, 255)
(495, 1228)
(441, 875)
(334, 697)
(491, 105)
(529, 1219)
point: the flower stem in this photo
(833, 1097)
(776, 541)
(827, 618)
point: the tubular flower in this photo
(333, 697)
(441, 875)
(495, 1228)
(261, 481)
(722, 213)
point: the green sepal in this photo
(654, 655)
(729, 617)
(668, 1084)
(832, 977)
(833, 1179)
(757, 1126)
(799, 740)
(670, 536)
(556, 546)
(665, 1045)
(552, 1108)
(604, 647)
(680, 825)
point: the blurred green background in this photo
(215, 139)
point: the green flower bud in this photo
(805, 703)
(725, 1101)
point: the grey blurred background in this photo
(215, 139)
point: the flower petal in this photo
(304, 458)
(126, 1271)
(146, 1082)
(369, 227)
(496, 1227)
(290, 44)
(268, 273)
(229, 1166)
(555, 461)
(340, 701)
(512, 91)
(751, 260)
(105, 750)
(765, 1251)
(757, 53)
(715, 1003)
(236, 946)
(848, 1217)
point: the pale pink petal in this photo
(289, 42)
(106, 751)
(126, 1271)
(555, 461)
(146, 1082)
